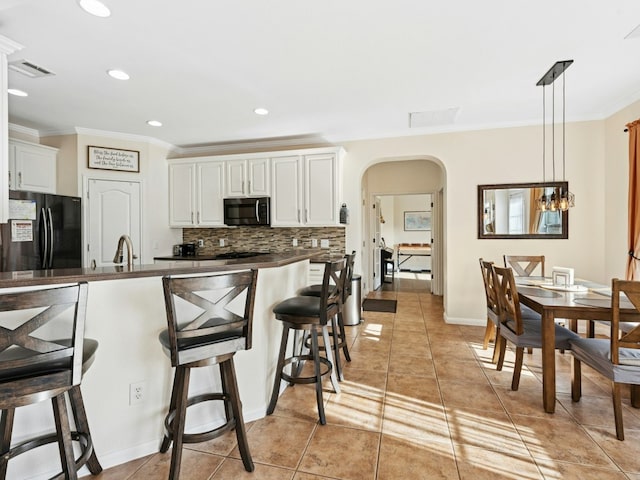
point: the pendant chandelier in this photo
(559, 199)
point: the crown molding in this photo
(265, 144)
(8, 46)
(107, 134)
(13, 127)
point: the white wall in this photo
(508, 155)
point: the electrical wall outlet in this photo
(295, 242)
(314, 243)
(222, 242)
(324, 243)
(137, 392)
(200, 243)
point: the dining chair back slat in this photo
(525, 265)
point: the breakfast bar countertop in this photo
(196, 265)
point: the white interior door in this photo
(377, 270)
(113, 210)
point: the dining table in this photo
(583, 300)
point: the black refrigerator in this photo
(43, 232)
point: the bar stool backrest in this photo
(208, 316)
(332, 295)
(41, 337)
(351, 258)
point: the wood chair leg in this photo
(6, 425)
(501, 353)
(576, 380)
(82, 426)
(634, 391)
(227, 371)
(315, 351)
(617, 410)
(517, 369)
(591, 329)
(63, 430)
(182, 377)
(343, 336)
(166, 440)
(496, 346)
(488, 334)
(278, 375)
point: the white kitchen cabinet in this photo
(195, 194)
(32, 167)
(305, 189)
(248, 177)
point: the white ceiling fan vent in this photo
(433, 118)
(29, 69)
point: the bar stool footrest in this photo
(86, 447)
(305, 380)
(200, 436)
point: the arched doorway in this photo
(401, 178)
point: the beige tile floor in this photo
(421, 400)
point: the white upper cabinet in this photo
(306, 189)
(195, 194)
(32, 167)
(247, 178)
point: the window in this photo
(516, 213)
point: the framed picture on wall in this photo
(416, 221)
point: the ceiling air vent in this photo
(29, 69)
(433, 118)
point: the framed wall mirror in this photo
(510, 211)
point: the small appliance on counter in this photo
(185, 250)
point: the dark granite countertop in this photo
(197, 265)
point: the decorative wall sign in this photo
(417, 221)
(114, 159)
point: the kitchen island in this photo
(125, 313)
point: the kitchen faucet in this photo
(119, 256)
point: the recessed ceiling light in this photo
(17, 93)
(95, 7)
(118, 74)
(154, 123)
(261, 111)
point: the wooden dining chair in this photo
(523, 331)
(525, 265)
(493, 314)
(618, 357)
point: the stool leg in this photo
(182, 377)
(315, 351)
(228, 373)
(332, 375)
(63, 431)
(228, 410)
(82, 425)
(6, 424)
(336, 348)
(166, 440)
(343, 335)
(278, 374)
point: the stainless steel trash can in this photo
(353, 306)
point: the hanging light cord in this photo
(553, 129)
(544, 136)
(563, 118)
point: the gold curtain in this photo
(634, 199)
(534, 213)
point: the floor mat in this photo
(377, 305)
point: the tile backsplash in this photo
(264, 239)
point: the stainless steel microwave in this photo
(247, 211)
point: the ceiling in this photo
(336, 70)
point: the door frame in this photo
(86, 178)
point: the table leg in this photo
(548, 362)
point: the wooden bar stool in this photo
(310, 315)
(315, 291)
(36, 367)
(204, 330)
